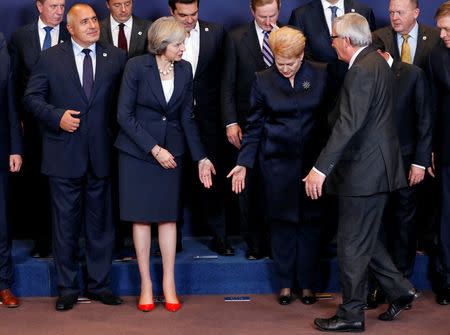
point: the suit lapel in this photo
(108, 33)
(318, 16)
(154, 81)
(34, 41)
(204, 39)
(349, 7)
(250, 39)
(70, 65)
(178, 83)
(394, 45)
(101, 59)
(137, 33)
(421, 48)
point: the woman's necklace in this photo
(166, 72)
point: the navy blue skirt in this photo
(147, 191)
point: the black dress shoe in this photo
(221, 246)
(106, 297)
(40, 252)
(308, 299)
(284, 299)
(66, 302)
(253, 254)
(374, 298)
(336, 324)
(398, 305)
(443, 296)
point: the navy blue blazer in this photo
(285, 131)
(310, 19)
(55, 87)
(146, 119)
(10, 130)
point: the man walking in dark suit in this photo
(405, 38)
(315, 20)
(361, 163)
(25, 48)
(203, 45)
(124, 30)
(414, 125)
(11, 149)
(72, 93)
(439, 70)
(246, 52)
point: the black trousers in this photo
(296, 252)
(442, 261)
(358, 248)
(78, 201)
(6, 267)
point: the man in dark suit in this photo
(414, 125)
(247, 52)
(315, 20)
(361, 163)
(11, 149)
(203, 45)
(72, 93)
(439, 70)
(405, 38)
(25, 48)
(124, 30)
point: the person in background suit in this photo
(439, 70)
(315, 20)
(156, 121)
(246, 52)
(414, 125)
(72, 93)
(25, 48)
(285, 133)
(11, 149)
(406, 39)
(361, 163)
(204, 47)
(123, 29)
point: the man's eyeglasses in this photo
(332, 37)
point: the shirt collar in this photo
(259, 31)
(414, 33)
(196, 29)
(128, 23)
(352, 60)
(339, 5)
(78, 49)
(42, 25)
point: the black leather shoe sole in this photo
(398, 305)
(285, 299)
(344, 327)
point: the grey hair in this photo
(355, 27)
(162, 32)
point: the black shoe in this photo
(40, 252)
(374, 298)
(66, 302)
(106, 297)
(253, 254)
(221, 246)
(284, 299)
(443, 296)
(399, 305)
(308, 299)
(336, 324)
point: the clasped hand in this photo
(68, 122)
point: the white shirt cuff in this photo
(231, 124)
(322, 174)
(419, 166)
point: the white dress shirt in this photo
(412, 41)
(168, 86)
(54, 33)
(192, 45)
(127, 30)
(260, 34)
(79, 58)
(327, 12)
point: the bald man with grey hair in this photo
(361, 164)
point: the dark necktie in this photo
(122, 42)
(333, 15)
(267, 53)
(48, 39)
(88, 73)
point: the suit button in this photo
(164, 118)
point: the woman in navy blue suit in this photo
(156, 120)
(285, 132)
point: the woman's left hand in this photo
(205, 168)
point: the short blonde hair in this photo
(287, 42)
(162, 32)
(442, 11)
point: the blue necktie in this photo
(48, 39)
(267, 53)
(333, 15)
(88, 73)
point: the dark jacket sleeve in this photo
(228, 87)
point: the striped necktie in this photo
(267, 53)
(406, 50)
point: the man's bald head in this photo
(83, 25)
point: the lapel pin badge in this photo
(424, 38)
(352, 10)
(105, 54)
(140, 33)
(306, 85)
(206, 29)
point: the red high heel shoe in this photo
(173, 307)
(146, 307)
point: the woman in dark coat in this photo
(156, 120)
(286, 131)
